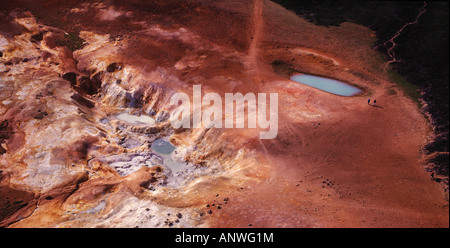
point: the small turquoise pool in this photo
(165, 149)
(326, 84)
(162, 146)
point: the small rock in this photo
(179, 215)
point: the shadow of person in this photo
(376, 106)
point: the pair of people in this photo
(374, 102)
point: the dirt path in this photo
(257, 26)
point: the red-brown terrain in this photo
(69, 69)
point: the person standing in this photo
(368, 101)
(374, 102)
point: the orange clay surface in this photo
(336, 162)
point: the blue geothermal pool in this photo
(165, 149)
(327, 84)
(162, 146)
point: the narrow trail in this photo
(257, 26)
(390, 51)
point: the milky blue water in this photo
(162, 146)
(134, 119)
(165, 149)
(326, 84)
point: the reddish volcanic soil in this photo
(336, 161)
(363, 170)
(321, 177)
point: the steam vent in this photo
(117, 114)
